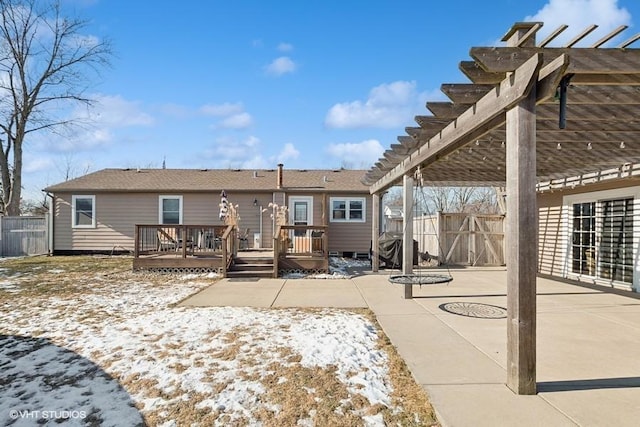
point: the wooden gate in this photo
(23, 235)
(460, 238)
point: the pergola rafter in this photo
(531, 115)
(604, 85)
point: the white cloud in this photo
(256, 162)
(221, 110)
(236, 121)
(38, 164)
(87, 139)
(95, 126)
(289, 152)
(174, 110)
(231, 152)
(232, 115)
(578, 15)
(115, 111)
(280, 66)
(388, 105)
(366, 152)
(285, 47)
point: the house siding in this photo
(350, 236)
(552, 237)
(118, 213)
(250, 215)
(346, 236)
(554, 232)
(115, 220)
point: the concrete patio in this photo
(453, 338)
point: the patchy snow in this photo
(193, 276)
(337, 269)
(110, 352)
(9, 286)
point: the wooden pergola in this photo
(532, 114)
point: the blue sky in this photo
(249, 84)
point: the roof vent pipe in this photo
(279, 176)
(255, 174)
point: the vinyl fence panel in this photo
(23, 235)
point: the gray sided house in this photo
(99, 212)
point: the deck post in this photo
(224, 254)
(136, 237)
(407, 231)
(375, 232)
(184, 241)
(276, 251)
(521, 224)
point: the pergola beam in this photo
(589, 125)
(446, 110)
(476, 121)
(432, 122)
(408, 142)
(583, 60)
(571, 136)
(464, 93)
(477, 75)
(619, 113)
(603, 95)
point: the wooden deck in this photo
(301, 248)
(184, 247)
(211, 262)
(201, 248)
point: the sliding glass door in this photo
(602, 239)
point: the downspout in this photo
(50, 221)
(260, 245)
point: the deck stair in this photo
(251, 267)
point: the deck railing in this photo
(182, 241)
(302, 243)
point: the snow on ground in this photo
(338, 269)
(110, 351)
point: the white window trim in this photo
(598, 197)
(73, 211)
(166, 197)
(347, 200)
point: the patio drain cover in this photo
(474, 309)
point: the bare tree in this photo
(70, 169)
(460, 199)
(45, 63)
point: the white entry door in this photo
(300, 212)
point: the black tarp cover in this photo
(390, 249)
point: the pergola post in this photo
(407, 231)
(375, 232)
(522, 243)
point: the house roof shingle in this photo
(207, 180)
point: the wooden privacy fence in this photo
(460, 238)
(23, 235)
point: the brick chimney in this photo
(279, 177)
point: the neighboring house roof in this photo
(206, 180)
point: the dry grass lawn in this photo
(186, 366)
